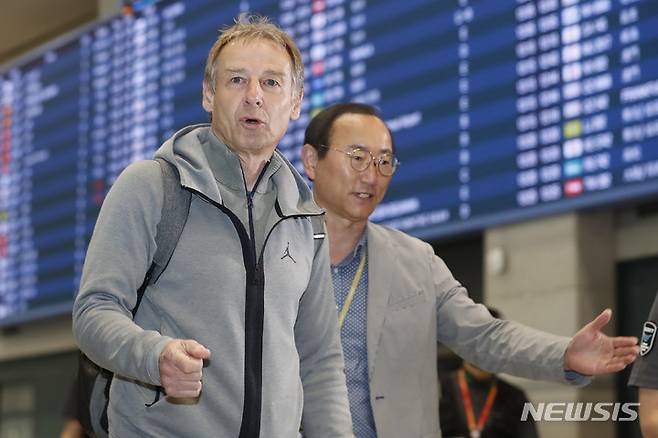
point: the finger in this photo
(189, 377)
(172, 383)
(600, 321)
(623, 341)
(176, 387)
(186, 364)
(196, 350)
(620, 363)
(188, 390)
(614, 367)
(175, 354)
(176, 375)
(627, 351)
(630, 358)
(170, 370)
(180, 386)
(184, 394)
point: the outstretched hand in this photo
(181, 364)
(591, 352)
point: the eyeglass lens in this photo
(361, 158)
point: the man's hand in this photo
(181, 362)
(591, 352)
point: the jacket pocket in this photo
(399, 301)
(131, 397)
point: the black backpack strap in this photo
(175, 209)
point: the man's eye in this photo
(386, 159)
(271, 82)
(236, 80)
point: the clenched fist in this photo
(181, 364)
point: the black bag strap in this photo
(175, 209)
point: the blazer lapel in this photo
(380, 271)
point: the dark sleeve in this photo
(645, 368)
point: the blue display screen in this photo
(501, 111)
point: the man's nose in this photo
(254, 94)
(370, 174)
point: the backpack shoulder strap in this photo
(175, 209)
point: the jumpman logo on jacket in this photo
(287, 254)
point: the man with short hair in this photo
(396, 298)
(268, 320)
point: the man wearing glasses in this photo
(396, 298)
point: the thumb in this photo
(196, 350)
(600, 321)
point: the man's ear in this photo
(310, 160)
(207, 98)
(296, 106)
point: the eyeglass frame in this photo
(376, 160)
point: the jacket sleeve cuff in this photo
(153, 360)
(576, 379)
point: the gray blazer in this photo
(413, 302)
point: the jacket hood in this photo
(204, 163)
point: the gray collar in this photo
(225, 164)
(204, 163)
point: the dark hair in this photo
(318, 132)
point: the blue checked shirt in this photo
(353, 336)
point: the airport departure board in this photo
(501, 111)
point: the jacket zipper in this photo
(254, 312)
(254, 317)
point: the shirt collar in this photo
(362, 243)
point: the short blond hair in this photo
(249, 27)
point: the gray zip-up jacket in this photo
(261, 373)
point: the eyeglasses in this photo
(360, 159)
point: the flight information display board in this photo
(500, 110)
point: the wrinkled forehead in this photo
(261, 50)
